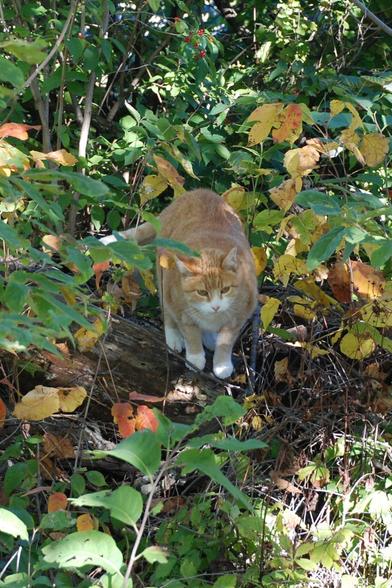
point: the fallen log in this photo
(133, 358)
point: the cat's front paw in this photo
(174, 339)
(224, 369)
(198, 360)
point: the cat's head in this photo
(210, 282)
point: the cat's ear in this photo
(230, 261)
(187, 267)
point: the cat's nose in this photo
(215, 308)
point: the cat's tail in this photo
(142, 234)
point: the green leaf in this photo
(9, 72)
(324, 247)
(205, 461)
(268, 218)
(141, 450)
(306, 564)
(124, 503)
(227, 443)
(11, 237)
(96, 478)
(56, 521)
(381, 255)
(319, 202)
(155, 554)
(223, 407)
(85, 548)
(154, 5)
(226, 581)
(12, 525)
(27, 51)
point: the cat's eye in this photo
(226, 289)
(202, 292)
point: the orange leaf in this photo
(339, 280)
(85, 522)
(291, 126)
(145, 419)
(3, 413)
(135, 396)
(57, 501)
(122, 413)
(98, 269)
(17, 130)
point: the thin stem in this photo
(371, 16)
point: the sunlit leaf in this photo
(122, 413)
(287, 265)
(291, 124)
(260, 259)
(85, 522)
(265, 116)
(357, 346)
(17, 130)
(57, 501)
(145, 419)
(300, 162)
(268, 311)
(152, 187)
(284, 194)
(61, 157)
(374, 147)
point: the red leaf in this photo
(135, 396)
(145, 419)
(122, 413)
(57, 501)
(17, 130)
(3, 413)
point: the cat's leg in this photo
(173, 336)
(223, 366)
(194, 346)
(209, 340)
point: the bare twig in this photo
(371, 16)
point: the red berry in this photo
(203, 53)
(177, 19)
(200, 32)
(187, 39)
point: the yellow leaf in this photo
(265, 116)
(291, 124)
(284, 194)
(235, 197)
(257, 423)
(378, 313)
(286, 265)
(86, 339)
(309, 287)
(260, 257)
(268, 311)
(356, 120)
(330, 148)
(62, 157)
(281, 370)
(304, 312)
(151, 187)
(374, 148)
(350, 139)
(300, 162)
(38, 404)
(357, 346)
(336, 106)
(71, 398)
(306, 114)
(313, 350)
(170, 174)
(166, 261)
(148, 279)
(85, 522)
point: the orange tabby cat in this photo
(207, 299)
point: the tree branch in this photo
(371, 16)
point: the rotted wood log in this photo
(133, 358)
